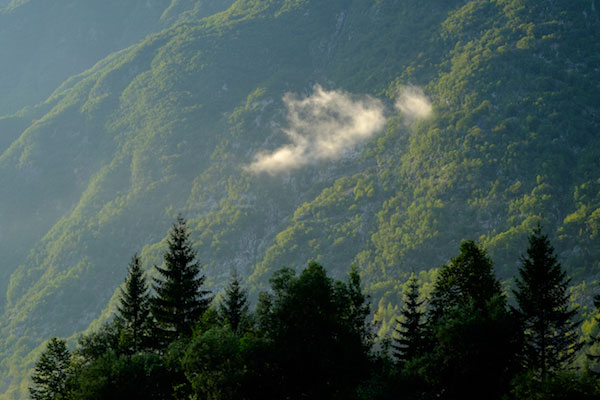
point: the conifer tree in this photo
(234, 307)
(550, 333)
(134, 305)
(50, 380)
(180, 300)
(409, 328)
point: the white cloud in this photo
(413, 103)
(322, 127)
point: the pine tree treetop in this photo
(179, 300)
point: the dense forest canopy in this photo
(309, 337)
(375, 133)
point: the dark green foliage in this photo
(359, 309)
(323, 339)
(473, 352)
(594, 357)
(551, 337)
(113, 376)
(562, 386)
(386, 380)
(409, 327)
(234, 306)
(172, 359)
(180, 299)
(318, 331)
(472, 338)
(214, 365)
(313, 342)
(112, 363)
(134, 306)
(51, 378)
(468, 280)
(105, 340)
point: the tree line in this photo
(309, 337)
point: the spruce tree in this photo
(50, 380)
(409, 328)
(550, 333)
(134, 304)
(234, 307)
(179, 300)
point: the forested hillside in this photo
(375, 133)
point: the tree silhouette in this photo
(234, 307)
(543, 307)
(180, 300)
(50, 380)
(409, 328)
(134, 305)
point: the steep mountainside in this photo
(42, 43)
(185, 121)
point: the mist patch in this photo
(322, 126)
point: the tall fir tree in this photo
(409, 327)
(179, 300)
(550, 333)
(234, 307)
(134, 305)
(51, 377)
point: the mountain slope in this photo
(42, 43)
(171, 124)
